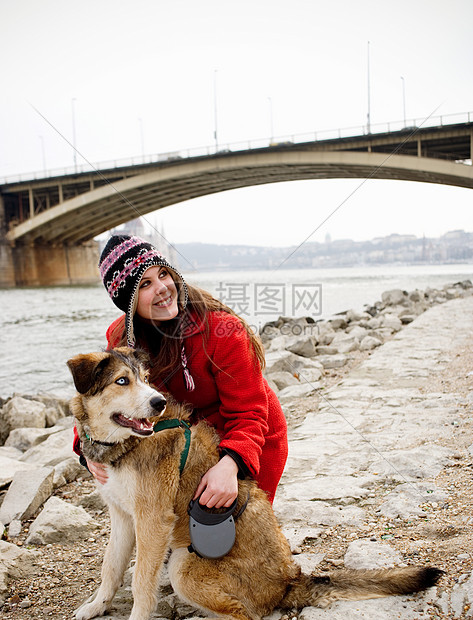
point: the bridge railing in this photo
(247, 145)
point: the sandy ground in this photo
(68, 574)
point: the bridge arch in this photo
(79, 219)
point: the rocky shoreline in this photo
(339, 492)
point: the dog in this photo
(148, 496)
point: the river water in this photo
(43, 327)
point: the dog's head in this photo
(114, 400)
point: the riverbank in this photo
(379, 470)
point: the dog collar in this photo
(101, 443)
(175, 423)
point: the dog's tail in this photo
(308, 590)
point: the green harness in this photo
(175, 423)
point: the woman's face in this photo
(157, 295)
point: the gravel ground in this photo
(67, 574)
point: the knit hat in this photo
(122, 264)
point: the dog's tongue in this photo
(142, 426)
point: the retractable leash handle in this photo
(212, 535)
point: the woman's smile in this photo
(165, 302)
(157, 295)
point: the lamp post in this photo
(368, 116)
(43, 153)
(215, 111)
(271, 120)
(74, 149)
(142, 141)
(404, 100)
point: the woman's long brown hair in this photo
(163, 345)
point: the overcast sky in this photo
(144, 76)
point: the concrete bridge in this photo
(48, 223)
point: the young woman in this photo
(202, 354)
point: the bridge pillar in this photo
(47, 265)
(7, 270)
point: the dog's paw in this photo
(90, 610)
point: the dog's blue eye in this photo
(123, 381)
(146, 379)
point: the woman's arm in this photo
(243, 410)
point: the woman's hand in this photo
(98, 471)
(219, 486)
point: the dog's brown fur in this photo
(148, 500)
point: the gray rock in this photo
(387, 608)
(369, 343)
(462, 597)
(9, 467)
(416, 296)
(406, 499)
(62, 522)
(310, 375)
(277, 361)
(356, 331)
(333, 361)
(326, 350)
(356, 316)
(93, 502)
(283, 379)
(425, 461)
(10, 452)
(268, 332)
(391, 321)
(25, 438)
(15, 563)
(279, 343)
(27, 492)
(394, 297)
(68, 470)
(338, 322)
(14, 529)
(326, 488)
(308, 561)
(19, 412)
(297, 391)
(316, 513)
(55, 449)
(365, 554)
(304, 346)
(347, 345)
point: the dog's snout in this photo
(158, 403)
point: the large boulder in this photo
(55, 449)
(15, 563)
(365, 554)
(283, 379)
(62, 522)
(395, 297)
(19, 412)
(9, 467)
(304, 346)
(25, 438)
(27, 492)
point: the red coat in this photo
(232, 395)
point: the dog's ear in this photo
(85, 369)
(141, 356)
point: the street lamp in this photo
(271, 119)
(140, 120)
(43, 153)
(368, 116)
(74, 133)
(215, 111)
(404, 99)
